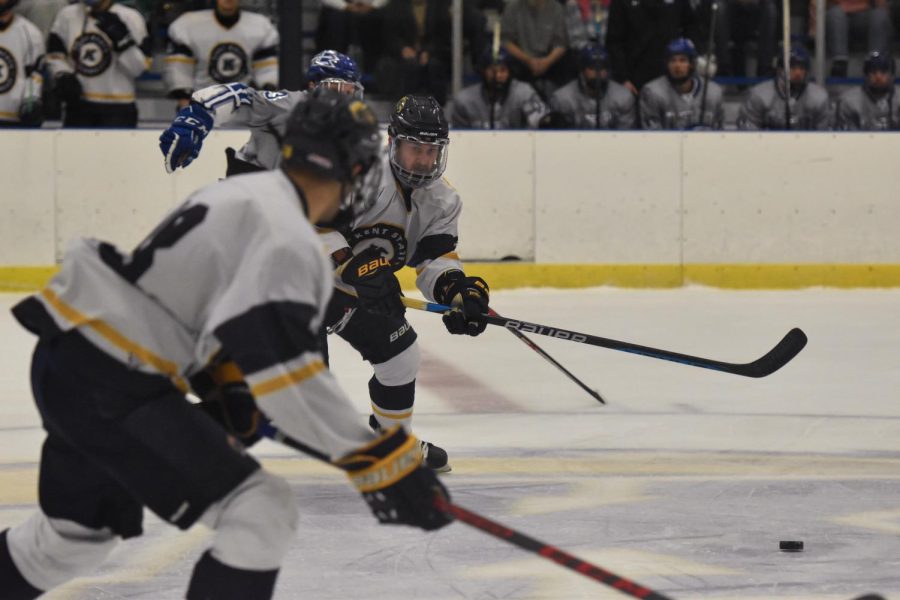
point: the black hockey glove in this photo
(31, 113)
(377, 288)
(397, 486)
(233, 407)
(469, 298)
(68, 88)
(115, 29)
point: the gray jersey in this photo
(420, 233)
(664, 107)
(616, 109)
(223, 273)
(763, 108)
(521, 108)
(265, 114)
(857, 110)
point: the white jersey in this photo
(266, 116)
(204, 52)
(420, 231)
(21, 53)
(77, 44)
(237, 269)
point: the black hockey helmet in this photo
(418, 121)
(878, 61)
(335, 136)
(10, 4)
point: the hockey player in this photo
(499, 101)
(220, 45)
(120, 333)
(265, 113)
(677, 100)
(872, 106)
(593, 101)
(95, 51)
(21, 55)
(763, 107)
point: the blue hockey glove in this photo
(181, 142)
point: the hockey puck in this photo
(790, 546)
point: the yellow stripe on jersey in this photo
(119, 97)
(227, 372)
(181, 59)
(292, 378)
(267, 62)
(9, 115)
(109, 333)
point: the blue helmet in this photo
(330, 66)
(878, 61)
(593, 55)
(799, 57)
(681, 46)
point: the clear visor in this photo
(417, 163)
(349, 88)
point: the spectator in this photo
(680, 99)
(748, 20)
(872, 106)
(764, 104)
(843, 18)
(586, 22)
(346, 23)
(95, 52)
(418, 49)
(499, 101)
(220, 45)
(638, 33)
(534, 34)
(592, 101)
(21, 54)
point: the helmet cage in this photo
(344, 86)
(412, 176)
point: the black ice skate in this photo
(435, 456)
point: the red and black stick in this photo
(499, 531)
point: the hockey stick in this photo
(528, 342)
(789, 346)
(786, 58)
(499, 531)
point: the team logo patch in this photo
(8, 70)
(92, 54)
(274, 96)
(227, 62)
(390, 238)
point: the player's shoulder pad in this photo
(816, 92)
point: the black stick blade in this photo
(785, 350)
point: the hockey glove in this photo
(115, 29)
(397, 486)
(68, 88)
(233, 407)
(31, 113)
(377, 288)
(469, 298)
(181, 142)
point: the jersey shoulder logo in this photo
(227, 62)
(274, 96)
(8, 70)
(92, 54)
